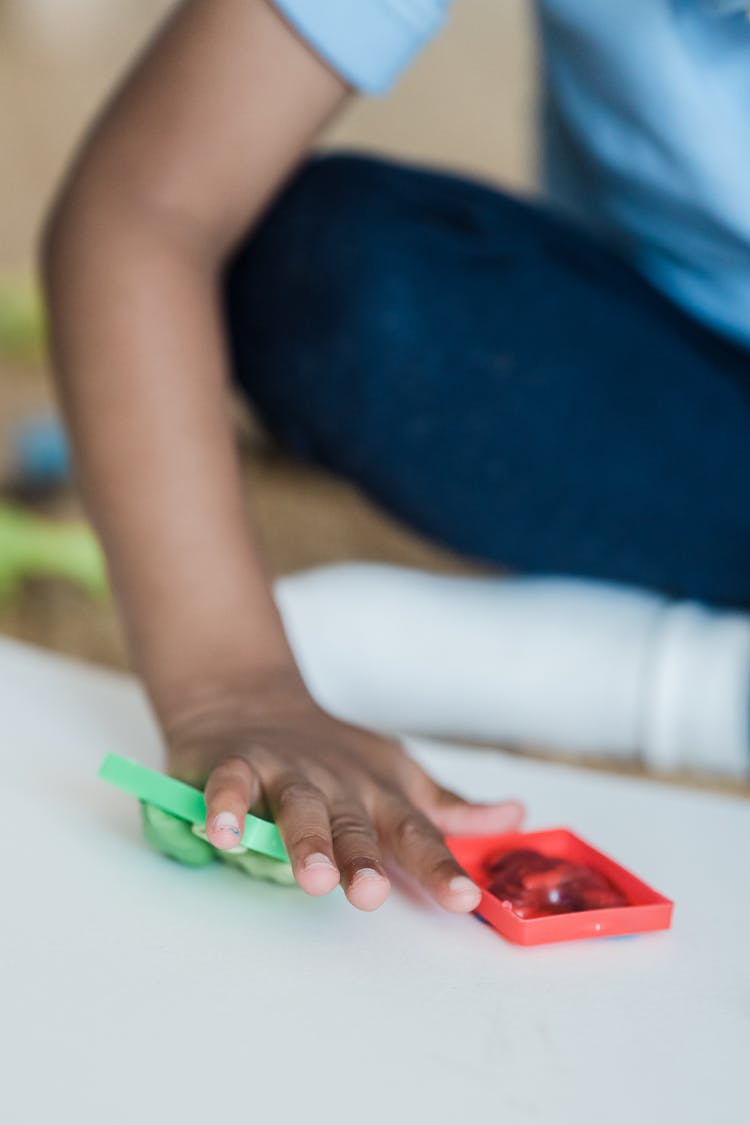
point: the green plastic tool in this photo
(185, 802)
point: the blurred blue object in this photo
(41, 455)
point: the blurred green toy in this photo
(187, 844)
(34, 547)
(174, 822)
(22, 320)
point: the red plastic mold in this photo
(645, 910)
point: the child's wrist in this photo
(250, 693)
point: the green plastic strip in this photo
(185, 802)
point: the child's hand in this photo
(341, 797)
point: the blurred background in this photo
(468, 103)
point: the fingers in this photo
(331, 836)
(301, 814)
(355, 842)
(418, 847)
(455, 816)
(328, 841)
(231, 789)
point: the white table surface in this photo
(134, 991)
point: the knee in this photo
(320, 294)
(322, 222)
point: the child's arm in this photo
(202, 134)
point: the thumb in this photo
(455, 816)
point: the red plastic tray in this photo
(646, 910)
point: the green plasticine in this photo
(251, 863)
(33, 547)
(175, 838)
(187, 844)
(259, 866)
(185, 802)
(22, 320)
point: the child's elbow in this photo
(68, 223)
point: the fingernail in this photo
(317, 859)
(227, 822)
(464, 887)
(366, 873)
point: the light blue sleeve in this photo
(369, 42)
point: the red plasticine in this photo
(555, 861)
(537, 885)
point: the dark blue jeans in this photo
(495, 378)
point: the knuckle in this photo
(410, 829)
(351, 826)
(446, 798)
(230, 769)
(310, 839)
(443, 868)
(294, 792)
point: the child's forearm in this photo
(143, 381)
(132, 262)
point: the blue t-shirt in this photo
(646, 124)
